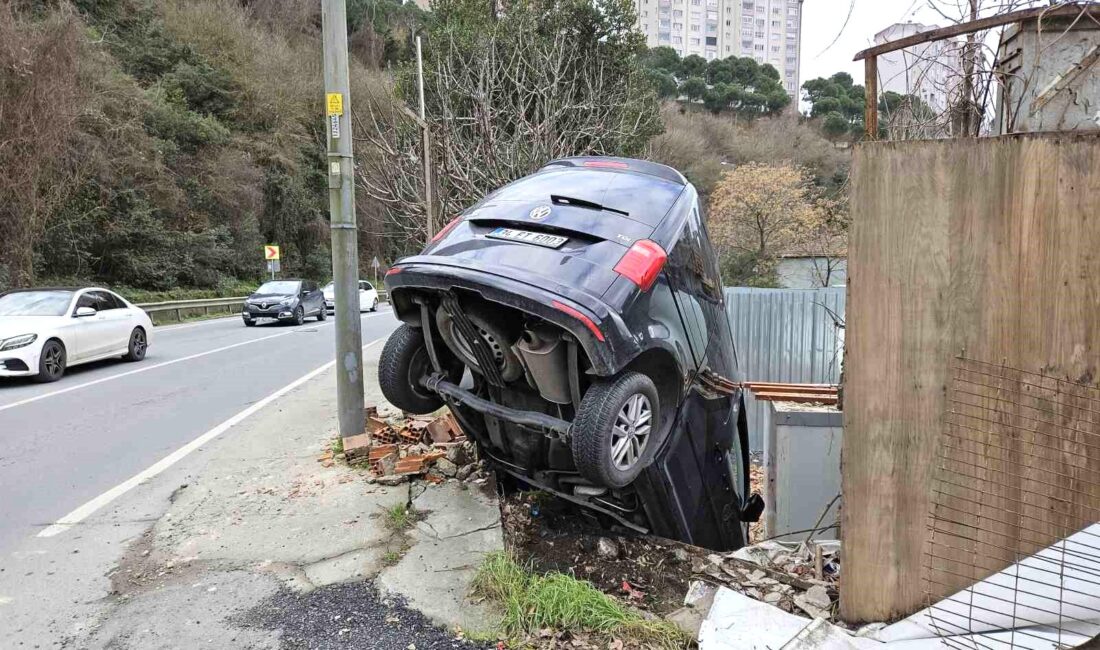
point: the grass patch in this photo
(560, 602)
(337, 445)
(391, 558)
(399, 516)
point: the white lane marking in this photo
(89, 508)
(120, 375)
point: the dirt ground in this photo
(649, 572)
(554, 535)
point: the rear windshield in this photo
(35, 303)
(280, 286)
(645, 198)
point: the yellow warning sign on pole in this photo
(335, 103)
(271, 252)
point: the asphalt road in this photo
(65, 443)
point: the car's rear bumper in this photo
(20, 362)
(599, 329)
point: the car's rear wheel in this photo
(615, 429)
(299, 315)
(51, 363)
(139, 345)
(403, 362)
(322, 313)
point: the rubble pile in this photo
(399, 448)
(800, 578)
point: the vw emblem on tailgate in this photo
(539, 213)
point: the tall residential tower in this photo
(768, 30)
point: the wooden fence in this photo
(975, 251)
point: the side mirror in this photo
(83, 312)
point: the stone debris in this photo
(395, 449)
(799, 578)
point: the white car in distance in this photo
(45, 331)
(368, 296)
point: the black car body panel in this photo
(674, 332)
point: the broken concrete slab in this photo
(461, 525)
(737, 622)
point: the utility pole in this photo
(425, 144)
(341, 200)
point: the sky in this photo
(823, 22)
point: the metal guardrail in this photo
(180, 306)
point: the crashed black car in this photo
(574, 322)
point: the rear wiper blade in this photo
(558, 199)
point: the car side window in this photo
(111, 299)
(104, 301)
(365, 286)
(311, 286)
(87, 299)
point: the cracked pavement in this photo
(258, 538)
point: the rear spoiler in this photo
(663, 172)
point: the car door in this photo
(313, 300)
(119, 318)
(92, 333)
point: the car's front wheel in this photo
(299, 315)
(51, 363)
(139, 345)
(374, 305)
(616, 428)
(403, 362)
(250, 322)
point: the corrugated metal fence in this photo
(785, 335)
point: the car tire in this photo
(615, 429)
(403, 362)
(139, 345)
(299, 315)
(322, 313)
(51, 362)
(249, 322)
(374, 306)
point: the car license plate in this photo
(528, 237)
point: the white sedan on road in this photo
(368, 296)
(44, 331)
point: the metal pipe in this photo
(437, 384)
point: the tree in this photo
(835, 125)
(693, 65)
(662, 58)
(663, 82)
(693, 88)
(758, 211)
(506, 91)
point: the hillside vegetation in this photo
(159, 143)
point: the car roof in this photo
(622, 165)
(49, 289)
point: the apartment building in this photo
(931, 71)
(768, 30)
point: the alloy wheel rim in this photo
(139, 343)
(53, 360)
(630, 434)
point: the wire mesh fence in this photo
(1015, 538)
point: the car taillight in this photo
(642, 263)
(396, 269)
(588, 322)
(446, 229)
(611, 164)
